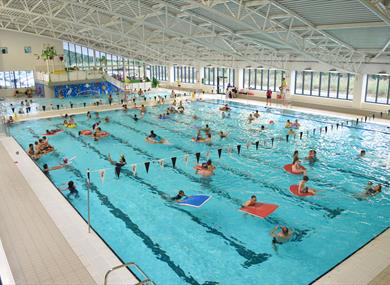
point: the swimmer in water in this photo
(72, 188)
(280, 237)
(206, 129)
(118, 165)
(288, 124)
(297, 168)
(223, 115)
(180, 196)
(250, 118)
(135, 118)
(312, 156)
(302, 188)
(256, 114)
(222, 134)
(251, 202)
(362, 153)
(107, 119)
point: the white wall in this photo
(16, 59)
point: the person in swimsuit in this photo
(89, 116)
(280, 237)
(118, 165)
(250, 118)
(72, 188)
(256, 114)
(251, 202)
(312, 156)
(296, 167)
(372, 191)
(288, 124)
(302, 188)
(180, 196)
(107, 119)
(206, 129)
(269, 96)
(31, 152)
(222, 134)
(362, 153)
(135, 118)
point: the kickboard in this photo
(196, 201)
(288, 168)
(260, 210)
(294, 190)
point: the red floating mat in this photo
(294, 190)
(288, 168)
(260, 210)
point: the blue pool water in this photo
(77, 102)
(217, 244)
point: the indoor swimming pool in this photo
(217, 243)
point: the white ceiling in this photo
(238, 33)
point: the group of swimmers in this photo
(39, 148)
(292, 125)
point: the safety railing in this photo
(146, 280)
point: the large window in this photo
(378, 89)
(324, 84)
(159, 72)
(184, 74)
(262, 79)
(220, 76)
(117, 66)
(16, 79)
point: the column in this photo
(359, 87)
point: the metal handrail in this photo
(128, 264)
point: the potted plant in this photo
(103, 61)
(48, 53)
(155, 83)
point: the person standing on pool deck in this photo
(269, 96)
(302, 188)
(283, 236)
(110, 99)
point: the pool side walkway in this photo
(369, 265)
(45, 240)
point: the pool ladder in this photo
(146, 280)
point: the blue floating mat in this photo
(196, 201)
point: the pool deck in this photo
(369, 265)
(45, 240)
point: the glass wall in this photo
(184, 74)
(85, 58)
(262, 79)
(211, 75)
(324, 84)
(378, 89)
(160, 72)
(16, 79)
